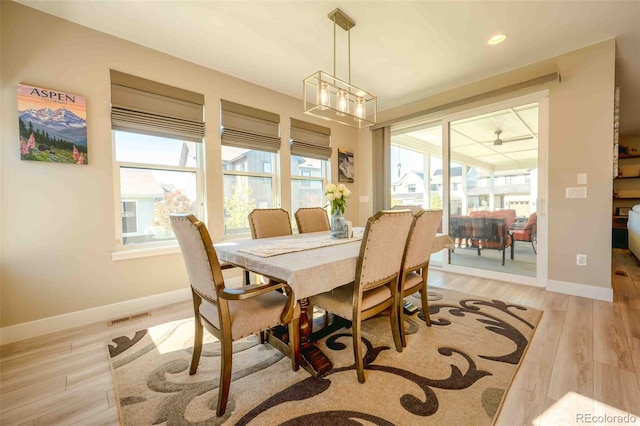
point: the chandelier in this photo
(328, 97)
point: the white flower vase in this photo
(338, 225)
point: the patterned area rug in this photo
(455, 372)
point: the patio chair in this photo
(228, 314)
(528, 233)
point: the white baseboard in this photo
(583, 290)
(44, 326)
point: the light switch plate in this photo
(582, 178)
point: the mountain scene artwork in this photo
(52, 125)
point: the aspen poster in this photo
(53, 126)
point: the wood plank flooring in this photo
(584, 359)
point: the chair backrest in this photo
(533, 219)
(203, 267)
(382, 249)
(420, 239)
(266, 223)
(312, 219)
(414, 209)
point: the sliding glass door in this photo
(483, 168)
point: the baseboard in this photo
(71, 320)
(582, 290)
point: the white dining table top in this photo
(309, 271)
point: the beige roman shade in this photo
(250, 128)
(310, 140)
(144, 106)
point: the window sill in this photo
(144, 252)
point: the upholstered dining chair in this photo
(266, 223)
(228, 314)
(376, 285)
(312, 219)
(415, 264)
(414, 209)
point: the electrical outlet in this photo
(581, 260)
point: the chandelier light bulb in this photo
(359, 108)
(324, 95)
(343, 101)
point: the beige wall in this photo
(58, 221)
(580, 141)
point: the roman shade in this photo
(310, 140)
(143, 106)
(250, 128)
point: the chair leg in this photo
(197, 346)
(225, 376)
(395, 327)
(425, 303)
(357, 349)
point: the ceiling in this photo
(400, 50)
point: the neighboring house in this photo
(140, 193)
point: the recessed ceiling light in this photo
(497, 39)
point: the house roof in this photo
(510, 189)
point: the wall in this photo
(580, 141)
(58, 221)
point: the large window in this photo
(248, 184)
(158, 176)
(158, 132)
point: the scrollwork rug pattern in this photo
(455, 372)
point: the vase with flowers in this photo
(337, 196)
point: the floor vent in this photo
(129, 318)
(623, 273)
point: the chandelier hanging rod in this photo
(343, 21)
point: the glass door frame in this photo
(542, 98)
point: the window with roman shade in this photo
(143, 106)
(250, 143)
(249, 128)
(310, 140)
(310, 152)
(157, 136)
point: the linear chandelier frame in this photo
(330, 98)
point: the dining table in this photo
(310, 263)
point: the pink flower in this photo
(76, 154)
(81, 158)
(32, 142)
(24, 149)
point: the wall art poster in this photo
(52, 125)
(346, 169)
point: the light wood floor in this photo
(584, 359)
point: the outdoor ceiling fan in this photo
(499, 141)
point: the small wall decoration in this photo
(52, 125)
(346, 166)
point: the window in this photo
(411, 187)
(308, 178)
(246, 185)
(157, 134)
(310, 152)
(250, 142)
(158, 176)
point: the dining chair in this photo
(414, 208)
(376, 285)
(415, 264)
(266, 223)
(312, 219)
(229, 314)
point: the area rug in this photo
(456, 372)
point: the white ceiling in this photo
(400, 50)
